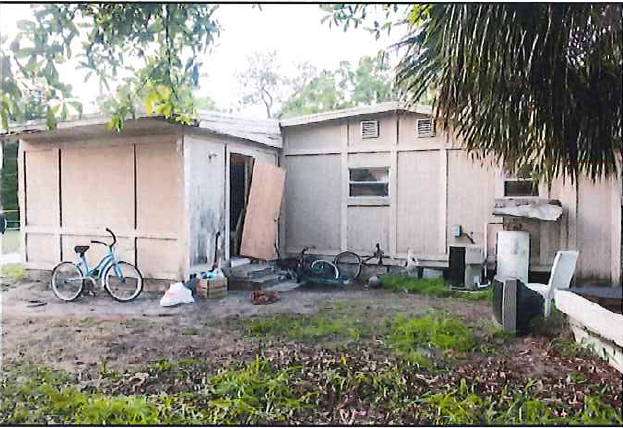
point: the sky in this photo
(294, 31)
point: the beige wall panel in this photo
(387, 131)
(42, 188)
(313, 202)
(159, 258)
(159, 188)
(594, 230)
(368, 226)
(41, 248)
(363, 160)
(124, 250)
(471, 192)
(419, 196)
(407, 135)
(316, 136)
(98, 187)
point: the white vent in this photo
(369, 129)
(425, 128)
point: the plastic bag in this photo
(177, 294)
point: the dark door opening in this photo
(240, 171)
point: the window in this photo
(369, 129)
(425, 128)
(519, 187)
(368, 181)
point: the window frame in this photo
(535, 185)
(364, 197)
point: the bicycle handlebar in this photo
(99, 242)
(114, 238)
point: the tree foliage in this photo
(370, 82)
(152, 49)
(522, 84)
(262, 81)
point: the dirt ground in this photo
(99, 329)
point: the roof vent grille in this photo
(369, 129)
(425, 128)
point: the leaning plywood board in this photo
(259, 233)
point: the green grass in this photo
(429, 287)
(262, 392)
(13, 272)
(436, 287)
(11, 242)
(309, 328)
(254, 393)
(462, 406)
(433, 331)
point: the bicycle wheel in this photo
(67, 281)
(123, 283)
(349, 265)
(325, 269)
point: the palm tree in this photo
(523, 84)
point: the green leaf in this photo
(50, 120)
(4, 119)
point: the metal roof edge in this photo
(356, 111)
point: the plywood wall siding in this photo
(41, 248)
(313, 202)
(593, 224)
(42, 186)
(471, 191)
(159, 258)
(374, 220)
(100, 184)
(159, 187)
(419, 192)
(316, 137)
(98, 187)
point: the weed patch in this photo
(433, 331)
(308, 328)
(429, 287)
(256, 393)
(436, 287)
(12, 272)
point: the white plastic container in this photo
(513, 255)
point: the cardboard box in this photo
(212, 288)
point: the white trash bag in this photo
(177, 294)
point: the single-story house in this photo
(353, 178)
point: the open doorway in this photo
(240, 172)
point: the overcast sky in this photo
(294, 31)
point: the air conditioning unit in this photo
(425, 128)
(369, 129)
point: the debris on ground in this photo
(264, 297)
(177, 294)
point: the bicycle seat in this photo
(81, 249)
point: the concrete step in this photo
(251, 270)
(252, 284)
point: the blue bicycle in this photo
(122, 280)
